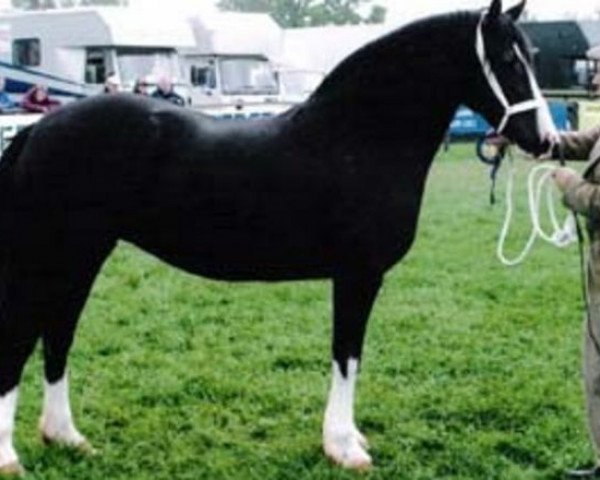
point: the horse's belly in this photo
(258, 269)
(230, 250)
(246, 263)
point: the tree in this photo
(377, 15)
(33, 4)
(45, 4)
(304, 13)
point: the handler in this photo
(582, 194)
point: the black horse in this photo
(330, 189)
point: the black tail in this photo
(8, 159)
(11, 154)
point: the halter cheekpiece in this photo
(535, 103)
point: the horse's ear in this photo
(516, 11)
(495, 9)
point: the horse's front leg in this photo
(353, 300)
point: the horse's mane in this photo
(397, 46)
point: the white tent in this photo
(228, 33)
(594, 53)
(322, 48)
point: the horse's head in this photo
(506, 91)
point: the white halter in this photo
(538, 100)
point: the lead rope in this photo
(572, 230)
(537, 185)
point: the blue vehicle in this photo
(468, 124)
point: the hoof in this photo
(358, 463)
(349, 452)
(14, 470)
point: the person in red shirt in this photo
(36, 100)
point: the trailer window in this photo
(27, 52)
(98, 66)
(203, 77)
(246, 75)
(147, 63)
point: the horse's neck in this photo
(398, 93)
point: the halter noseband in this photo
(535, 103)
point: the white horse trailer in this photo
(73, 51)
(230, 67)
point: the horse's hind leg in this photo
(45, 277)
(71, 291)
(20, 329)
(18, 336)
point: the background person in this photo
(111, 84)
(140, 87)
(582, 194)
(165, 91)
(36, 100)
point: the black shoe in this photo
(593, 472)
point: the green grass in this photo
(471, 371)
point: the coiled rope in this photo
(539, 186)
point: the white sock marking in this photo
(57, 420)
(339, 416)
(342, 440)
(8, 409)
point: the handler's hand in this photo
(565, 177)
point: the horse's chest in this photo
(377, 226)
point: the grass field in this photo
(471, 369)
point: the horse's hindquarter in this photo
(81, 164)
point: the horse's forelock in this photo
(502, 34)
(524, 43)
